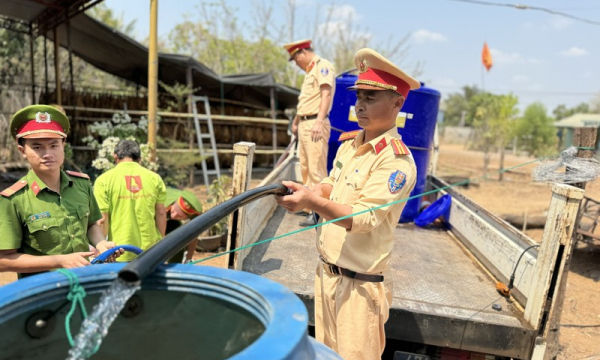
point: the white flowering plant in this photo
(106, 135)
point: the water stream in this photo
(95, 327)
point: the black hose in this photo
(150, 259)
(512, 277)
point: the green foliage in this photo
(175, 169)
(13, 50)
(457, 103)
(535, 131)
(561, 111)
(106, 135)
(103, 13)
(218, 192)
(179, 94)
(218, 42)
(493, 117)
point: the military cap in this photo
(378, 73)
(189, 203)
(39, 121)
(294, 47)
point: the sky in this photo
(537, 55)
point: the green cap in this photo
(39, 121)
(191, 199)
(191, 205)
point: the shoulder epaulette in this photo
(78, 174)
(399, 147)
(349, 135)
(9, 191)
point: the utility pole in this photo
(152, 79)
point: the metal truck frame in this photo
(445, 277)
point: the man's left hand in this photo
(300, 199)
(104, 245)
(317, 133)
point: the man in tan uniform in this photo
(311, 123)
(373, 167)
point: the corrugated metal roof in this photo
(579, 120)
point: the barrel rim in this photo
(285, 315)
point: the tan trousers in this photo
(350, 314)
(313, 155)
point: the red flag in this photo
(486, 57)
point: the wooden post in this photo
(191, 104)
(58, 89)
(551, 266)
(152, 79)
(582, 137)
(72, 97)
(274, 127)
(242, 173)
(32, 61)
(45, 69)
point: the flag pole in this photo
(482, 78)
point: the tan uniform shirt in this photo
(367, 175)
(319, 72)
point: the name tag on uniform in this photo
(337, 171)
(43, 215)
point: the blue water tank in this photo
(181, 311)
(416, 123)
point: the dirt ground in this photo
(516, 194)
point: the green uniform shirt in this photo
(38, 221)
(129, 193)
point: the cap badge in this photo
(42, 117)
(363, 66)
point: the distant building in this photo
(567, 126)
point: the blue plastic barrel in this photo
(343, 99)
(181, 312)
(416, 121)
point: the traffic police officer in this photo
(373, 167)
(311, 123)
(181, 205)
(49, 216)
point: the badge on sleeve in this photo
(324, 71)
(396, 181)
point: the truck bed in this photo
(442, 295)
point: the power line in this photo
(528, 7)
(523, 91)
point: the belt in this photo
(307, 117)
(336, 270)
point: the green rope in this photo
(75, 296)
(586, 148)
(464, 182)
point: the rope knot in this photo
(77, 292)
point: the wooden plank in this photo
(242, 173)
(583, 137)
(558, 231)
(255, 216)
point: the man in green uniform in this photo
(49, 216)
(131, 199)
(182, 205)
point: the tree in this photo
(493, 117)
(102, 13)
(561, 111)
(457, 105)
(216, 38)
(595, 104)
(536, 132)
